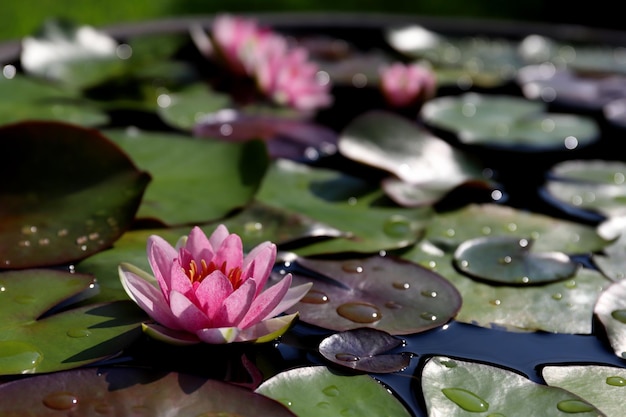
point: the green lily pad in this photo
(365, 349)
(558, 307)
(32, 99)
(194, 180)
(385, 293)
(452, 387)
(131, 391)
(184, 108)
(343, 202)
(587, 188)
(508, 122)
(62, 208)
(76, 55)
(611, 311)
(602, 386)
(315, 390)
(35, 341)
(449, 229)
(511, 261)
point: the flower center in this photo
(198, 273)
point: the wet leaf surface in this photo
(366, 350)
(559, 307)
(388, 294)
(193, 181)
(343, 202)
(63, 209)
(132, 391)
(452, 387)
(511, 261)
(36, 341)
(610, 309)
(508, 122)
(314, 390)
(602, 386)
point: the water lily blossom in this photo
(403, 85)
(207, 290)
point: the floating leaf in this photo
(364, 349)
(452, 387)
(611, 311)
(128, 391)
(508, 122)
(602, 386)
(194, 181)
(385, 293)
(34, 341)
(79, 56)
(343, 202)
(559, 307)
(33, 99)
(510, 260)
(313, 391)
(63, 208)
(587, 188)
(449, 229)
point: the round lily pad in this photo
(385, 293)
(510, 260)
(72, 193)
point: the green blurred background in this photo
(19, 18)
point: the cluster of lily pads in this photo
(486, 207)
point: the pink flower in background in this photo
(405, 84)
(282, 72)
(206, 290)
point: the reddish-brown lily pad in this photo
(68, 192)
(131, 392)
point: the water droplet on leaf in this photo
(616, 381)
(18, 357)
(574, 406)
(359, 312)
(465, 399)
(314, 297)
(60, 401)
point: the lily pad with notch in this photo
(365, 349)
(510, 260)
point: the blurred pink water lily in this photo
(403, 85)
(207, 290)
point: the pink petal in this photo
(218, 236)
(219, 335)
(291, 298)
(188, 315)
(266, 302)
(236, 305)
(198, 245)
(149, 298)
(230, 252)
(259, 262)
(212, 292)
(179, 281)
(160, 256)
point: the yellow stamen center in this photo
(198, 274)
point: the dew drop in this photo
(314, 297)
(511, 227)
(557, 296)
(346, 357)
(19, 357)
(286, 402)
(432, 264)
(359, 312)
(571, 284)
(495, 302)
(616, 381)
(352, 267)
(428, 316)
(323, 405)
(81, 240)
(574, 406)
(29, 230)
(60, 401)
(465, 399)
(398, 285)
(78, 333)
(429, 293)
(450, 232)
(331, 391)
(619, 315)
(253, 228)
(397, 226)
(348, 412)
(505, 260)
(486, 230)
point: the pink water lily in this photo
(207, 290)
(406, 84)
